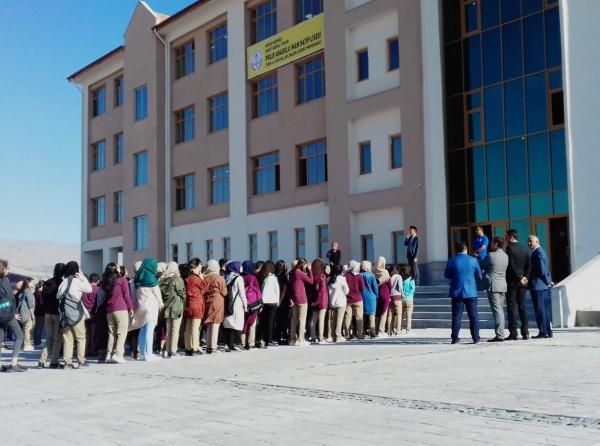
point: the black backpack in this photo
(70, 311)
(230, 302)
(7, 312)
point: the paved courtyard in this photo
(398, 391)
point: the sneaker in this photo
(41, 364)
(15, 368)
(119, 360)
(28, 348)
(330, 340)
(272, 344)
(297, 344)
(238, 348)
(164, 354)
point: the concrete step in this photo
(447, 323)
(444, 308)
(444, 301)
(483, 315)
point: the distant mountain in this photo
(36, 258)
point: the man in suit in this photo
(518, 267)
(463, 272)
(540, 282)
(412, 249)
(495, 265)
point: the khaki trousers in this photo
(250, 337)
(173, 326)
(407, 311)
(337, 320)
(298, 323)
(212, 336)
(118, 325)
(317, 315)
(192, 334)
(397, 315)
(75, 333)
(354, 310)
(53, 339)
(371, 324)
(381, 324)
(27, 327)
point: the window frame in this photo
(118, 149)
(143, 106)
(182, 190)
(392, 164)
(273, 245)
(255, 92)
(99, 212)
(212, 41)
(322, 241)
(254, 18)
(119, 91)
(390, 40)
(550, 92)
(256, 169)
(299, 242)
(363, 247)
(182, 122)
(469, 111)
(215, 109)
(96, 109)
(181, 59)
(296, 21)
(119, 207)
(463, 21)
(302, 77)
(299, 158)
(360, 52)
(144, 237)
(136, 156)
(212, 181)
(361, 162)
(96, 156)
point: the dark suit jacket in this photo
(518, 264)
(412, 246)
(539, 277)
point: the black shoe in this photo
(15, 368)
(540, 336)
(189, 353)
(512, 338)
(40, 365)
(550, 335)
(525, 337)
(55, 365)
(455, 341)
(496, 339)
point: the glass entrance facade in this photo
(506, 159)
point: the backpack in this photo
(70, 311)
(230, 301)
(255, 302)
(7, 312)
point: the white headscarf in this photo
(171, 271)
(212, 267)
(354, 267)
(366, 266)
(381, 273)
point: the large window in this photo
(362, 64)
(226, 248)
(219, 184)
(141, 168)
(300, 236)
(189, 251)
(140, 224)
(209, 250)
(273, 246)
(141, 103)
(263, 21)
(396, 151)
(312, 163)
(364, 153)
(323, 240)
(219, 112)
(119, 147)
(98, 101)
(119, 87)
(252, 247)
(265, 96)
(119, 210)
(184, 124)
(266, 173)
(99, 156)
(307, 9)
(217, 44)
(185, 195)
(184, 59)
(98, 212)
(366, 244)
(398, 247)
(393, 54)
(311, 79)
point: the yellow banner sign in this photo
(292, 44)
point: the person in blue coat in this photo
(463, 272)
(369, 296)
(540, 283)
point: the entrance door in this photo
(460, 234)
(560, 262)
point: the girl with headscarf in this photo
(354, 306)
(334, 255)
(173, 293)
(283, 311)
(300, 278)
(214, 299)
(369, 295)
(194, 305)
(161, 324)
(320, 301)
(338, 290)
(234, 323)
(148, 303)
(119, 309)
(396, 291)
(270, 295)
(253, 294)
(133, 335)
(383, 295)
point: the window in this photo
(99, 156)
(98, 101)
(311, 79)
(141, 168)
(300, 242)
(364, 150)
(323, 240)
(98, 217)
(362, 63)
(307, 9)
(219, 184)
(474, 121)
(393, 54)
(556, 102)
(184, 60)
(189, 251)
(209, 250)
(252, 247)
(398, 247)
(141, 232)
(119, 145)
(119, 87)
(470, 17)
(119, 207)
(312, 163)
(184, 124)
(226, 248)
(141, 103)
(175, 253)
(263, 21)
(219, 113)
(265, 96)
(266, 173)
(273, 251)
(184, 192)
(396, 151)
(366, 243)
(217, 44)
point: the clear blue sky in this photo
(42, 43)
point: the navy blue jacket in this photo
(463, 272)
(539, 276)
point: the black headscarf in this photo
(71, 268)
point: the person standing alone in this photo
(518, 267)
(495, 265)
(540, 282)
(412, 249)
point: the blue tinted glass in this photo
(490, 13)
(494, 120)
(541, 205)
(496, 169)
(189, 192)
(470, 17)
(481, 211)
(511, 50)
(517, 167)
(522, 226)
(491, 57)
(559, 159)
(472, 49)
(561, 202)
(365, 158)
(101, 100)
(396, 152)
(477, 174)
(363, 65)
(475, 127)
(539, 163)
(141, 106)
(553, 49)
(555, 79)
(518, 207)
(101, 160)
(533, 43)
(514, 108)
(394, 54)
(535, 95)
(531, 6)
(511, 9)
(473, 101)
(498, 210)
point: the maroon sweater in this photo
(120, 298)
(297, 284)
(321, 292)
(356, 284)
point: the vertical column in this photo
(84, 168)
